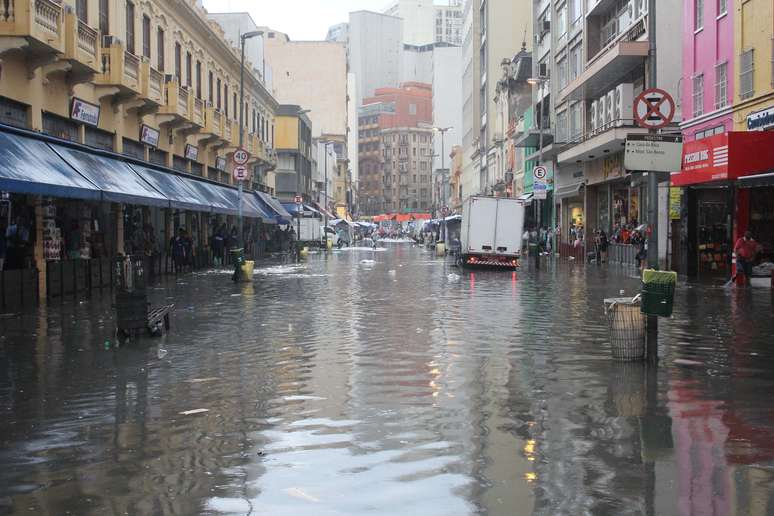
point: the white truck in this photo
(492, 229)
(310, 230)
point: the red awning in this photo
(726, 156)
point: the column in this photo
(118, 209)
(38, 252)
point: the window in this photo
(575, 11)
(575, 121)
(561, 127)
(210, 81)
(698, 15)
(130, 27)
(160, 49)
(722, 7)
(198, 80)
(236, 110)
(218, 105)
(225, 99)
(575, 62)
(82, 10)
(561, 22)
(188, 69)
(146, 36)
(104, 17)
(746, 74)
(698, 95)
(178, 63)
(412, 109)
(561, 66)
(721, 85)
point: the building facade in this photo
(375, 61)
(396, 142)
(471, 105)
(293, 175)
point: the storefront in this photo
(69, 210)
(727, 190)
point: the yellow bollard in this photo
(329, 244)
(440, 248)
(247, 270)
(304, 252)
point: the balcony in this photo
(198, 110)
(593, 144)
(617, 60)
(178, 103)
(228, 130)
(81, 45)
(152, 84)
(119, 68)
(214, 122)
(38, 26)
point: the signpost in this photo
(539, 182)
(240, 173)
(241, 157)
(653, 152)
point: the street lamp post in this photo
(244, 37)
(442, 130)
(539, 82)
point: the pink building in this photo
(708, 74)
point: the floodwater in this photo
(388, 382)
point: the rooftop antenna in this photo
(524, 39)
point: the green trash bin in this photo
(658, 292)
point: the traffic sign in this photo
(298, 199)
(654, 108)
(241, 157)
(540, 173)
(240, 173)
(654, 152)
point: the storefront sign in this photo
(540, 182)
(612, 166)
(703, 161)
(675, 201)
(191, 152)
(149, 136)
(85, 112)
(220, 163)
(761, 120)
(653, 152)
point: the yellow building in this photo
(123, 85)
(754, 82)
(151, 69)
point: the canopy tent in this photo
(306, 210)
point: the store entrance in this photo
(709, 238)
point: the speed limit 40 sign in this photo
(241, 157)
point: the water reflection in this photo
(400, 385)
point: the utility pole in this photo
(442, 130)
(653, 254)
(244, 37)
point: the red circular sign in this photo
(654, 108)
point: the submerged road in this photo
(389, 382)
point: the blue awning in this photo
(256, 206)
(249, 205)
(30, 166)
(218, 202)
(176, 188)
(292, 209)
(117, 181)
(273, 205)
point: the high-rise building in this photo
(375, 46)
(426, 22)
(448, 23)
(471, 107)
(396, 139)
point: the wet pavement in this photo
(388, 382)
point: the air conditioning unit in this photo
(594, 119)
(610, 107)
(602, 112)
(624, 103)
(546, 26)
(543, 70)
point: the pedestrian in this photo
(218, 245)
(603, 245)
(746, 249)
(3, 246)
(177, 250)
(189, 252)
(17, 237)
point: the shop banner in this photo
(149, 136)
(85, 112)
(191, 152)
(726, 157)
(704, 160)
(675, 202)
(761, 120)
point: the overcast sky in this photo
(299, 19)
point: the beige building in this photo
(313, 75)
(152, 80)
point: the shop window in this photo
(13, 113)
(134, 149)
(180, 163)
(196, 168)
(157, 156)
(60, 127)
(99, 139)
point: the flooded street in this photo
(389, 382)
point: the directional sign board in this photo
(240, 173)
(654, 108)
(539, 183)
(653, 152)
(241, 157)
